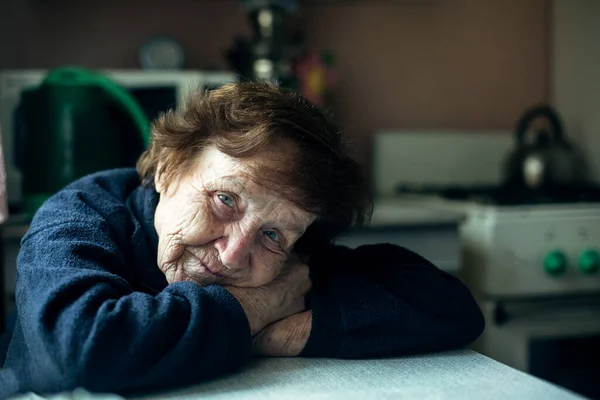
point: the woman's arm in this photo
(376, 301)
(80, 322)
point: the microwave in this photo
(155, 91)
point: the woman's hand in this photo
(282, 297)
(285, 338)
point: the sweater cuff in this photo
(9, 386)
(240, 350)
(326, 331)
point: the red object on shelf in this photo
(316, 77)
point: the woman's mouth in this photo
(204, 268)
(195, 268)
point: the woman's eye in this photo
(228, 201)
(272, 235)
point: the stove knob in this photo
(589, 262)
(555, 263)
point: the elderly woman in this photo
(219, 248)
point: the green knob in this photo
(555, 263)
(589, 262)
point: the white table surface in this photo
(461, 374)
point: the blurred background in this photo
(477, 122)
(461, 64)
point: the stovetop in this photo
(509, 196)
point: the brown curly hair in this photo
(244, 119)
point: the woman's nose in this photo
(234, 250)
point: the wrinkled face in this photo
(217, 226)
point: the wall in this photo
(461, 64)
(576, 73)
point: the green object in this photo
(589, 262)
(555, 263)
(80, 77)
(75, 123)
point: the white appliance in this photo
(155, 90)
(533, 263)
(535, 271)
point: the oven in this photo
(530, 257)
(555, 339)
(534, 268)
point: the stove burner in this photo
(506, 195)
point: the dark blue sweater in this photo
(95, 311)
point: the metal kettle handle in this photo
(539, 111)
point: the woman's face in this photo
(217, 226)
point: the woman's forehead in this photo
(272, 157)
(248, 177)
(217, 167)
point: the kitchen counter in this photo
(399, 211)
(461, 374)
(432, 233)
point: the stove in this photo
(530, 251)
(522, 243)
(532, 260)
(529, 257)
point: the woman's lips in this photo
(199, 268)
(206, 269)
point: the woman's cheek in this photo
(267, 271)
(171, 248)
(202, 226)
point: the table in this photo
(460, 374)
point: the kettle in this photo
(543, 158)
(74, 123)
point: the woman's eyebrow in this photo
(232, 180)
(293, 228)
